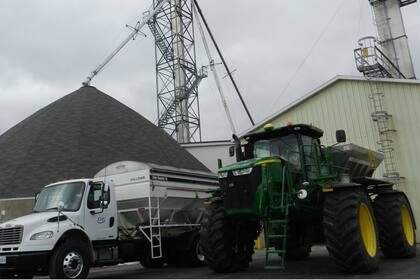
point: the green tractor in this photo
(301, 193)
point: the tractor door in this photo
(311, 157)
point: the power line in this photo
(308, 54)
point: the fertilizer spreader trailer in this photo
(130, 211)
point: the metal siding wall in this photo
(345, 105)
(403, 102)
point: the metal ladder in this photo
(276, 228)
(161, 42)
(152, 231)
(375, 66)
(383, 122)
(168, 113)
(155, 228)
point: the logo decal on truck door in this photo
(101, 220)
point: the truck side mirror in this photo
(340, 135)
(231, 151)
(105, 196)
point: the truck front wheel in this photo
(226, 243)
(70, 260)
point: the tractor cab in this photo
(298, 145)
(300, 193)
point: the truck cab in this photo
(130, 211)
(57, 236)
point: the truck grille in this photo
(11, 236)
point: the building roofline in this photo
(207, 143)
(316, 91)
(17, 198)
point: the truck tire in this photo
(397, 234)
(186, 252)
(350, 231)
(70, 260)
(298, 244)
(194, 255)
(147, 261)
(227, 244)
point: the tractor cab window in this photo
(285, 147)
(311, 151)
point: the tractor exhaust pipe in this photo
(238, 148)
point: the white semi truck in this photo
(130, 211)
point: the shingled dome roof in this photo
(78, 135)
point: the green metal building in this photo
(343, 103)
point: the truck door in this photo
(100, 221)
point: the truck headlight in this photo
(245, 171)
(42, 235)
(223, 175)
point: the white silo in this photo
(392, 37)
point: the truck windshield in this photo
(69, 193)
(285, 147)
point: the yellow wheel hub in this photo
(407, 225)
(367, 230)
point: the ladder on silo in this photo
(374, 65)
(384, 126)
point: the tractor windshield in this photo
(285, 147)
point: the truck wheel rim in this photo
(72, 265)
(367, 230)
(198, 253)
(407, 225)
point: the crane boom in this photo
(149, 15)
(214, 71)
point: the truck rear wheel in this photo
(350, 231)
(227, 244)
(147, 261)
(194, 255)
(184, 253)
(298, 244)
(69, 261)
(397, 234)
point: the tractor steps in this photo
(276, 229)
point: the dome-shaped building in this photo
(75, 137)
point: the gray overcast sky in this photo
(47, 48)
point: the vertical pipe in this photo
(392, 36)
(182, 124)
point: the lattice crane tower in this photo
(177, 76)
